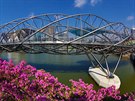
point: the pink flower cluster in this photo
(86, 91)
(25, 83)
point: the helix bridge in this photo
(76, 34)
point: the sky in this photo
(111, 10)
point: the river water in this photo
(67, 67)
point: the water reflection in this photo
(132, 60)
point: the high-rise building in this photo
(133, 32)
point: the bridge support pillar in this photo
(100, 71)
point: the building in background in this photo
(133, 32)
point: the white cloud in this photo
(80, 3)
(31, 14)
(129, 18)
(133, 27)
(94, 2)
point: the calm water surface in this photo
(67, 67)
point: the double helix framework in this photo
(67, 35)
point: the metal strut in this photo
(104, 57)
(110, 75)
(85, 50)
(108, 72)
(99, 64)
(106, 64)
(90, 59)
(117, 63)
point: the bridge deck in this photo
(66, 43)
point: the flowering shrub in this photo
(24, 83)
(86, 91)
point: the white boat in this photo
(102, 79)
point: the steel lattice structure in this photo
(66, 34)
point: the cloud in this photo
(80, 3)
(129, 18)
(31, 14)
(94, 2)
(133, 27)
